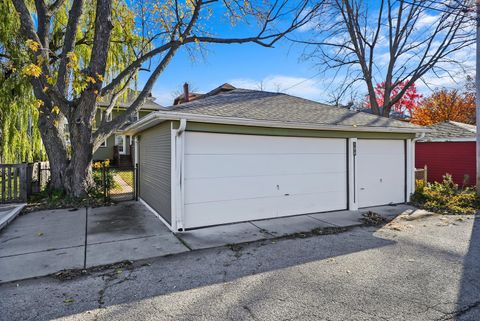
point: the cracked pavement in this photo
(416, 269)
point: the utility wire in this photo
(438, 9)
(301, 82)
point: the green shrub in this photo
(445, 197)
(98, 169)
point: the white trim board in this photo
(446, 140)
(160, 116)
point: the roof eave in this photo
(160, 116)
(446, 140)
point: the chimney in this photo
(186, 94)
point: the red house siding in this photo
(455, 158)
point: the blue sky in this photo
(243, 65)
(277, 69)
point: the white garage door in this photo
(233, 178)
(380, 172)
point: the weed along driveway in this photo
(46, 242)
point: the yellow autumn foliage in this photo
(33, 45)
(32, 70)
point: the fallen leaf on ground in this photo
(68, 301)
(395, 227)
(40, 234)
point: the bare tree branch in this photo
(410, 49)
(74, 15)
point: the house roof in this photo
(125, 102)
(180, 99)
(269, 109)
(451, 131)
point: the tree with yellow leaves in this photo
(82, 51)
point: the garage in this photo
(232, 178)
(244, 155)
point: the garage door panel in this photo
(381, 172)
(213, 213)
(232, 178)
(225, 188)
(381, 146)
(330, 201)
(211, 166)
(208, 143)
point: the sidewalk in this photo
(45, 242)
(8, 212)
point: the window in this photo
(109, 117)
(120, 142)
(133, 118)
(104, 144)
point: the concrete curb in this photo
(11, 215)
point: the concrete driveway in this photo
(422, 267)
(46, 242)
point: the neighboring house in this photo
(194, 96)
(243, 155)
(118, 147)
(448, 148)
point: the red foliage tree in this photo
(405, 106)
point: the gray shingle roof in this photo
(268, 106)
(125, 102)
(450, 130)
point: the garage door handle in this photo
(362, 188)
(286, 194)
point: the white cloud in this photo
(426, 20)
(297, 86)
(164, 97)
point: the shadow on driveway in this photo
(192, 270)
(468, 302)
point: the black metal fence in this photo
(116, 183)
(19, 181)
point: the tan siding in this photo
(154, 168)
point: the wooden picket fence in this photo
(12, 183)
(18, 181)
(421, 174)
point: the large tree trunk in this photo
(55, 146)
(70, 173)
(79, 172)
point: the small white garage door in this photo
(233, 178)
(380, 172)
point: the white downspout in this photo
(412, 186)
(418, 137)
(179, 168)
